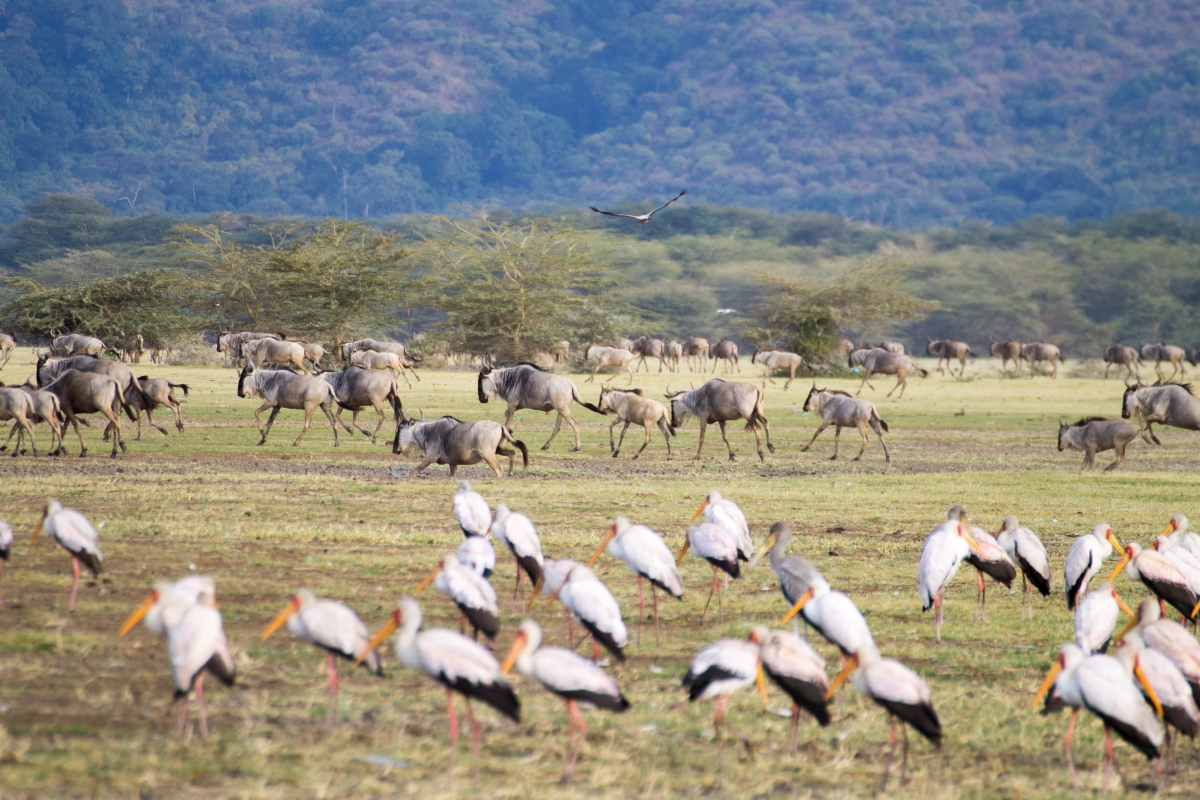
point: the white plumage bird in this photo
(719, 547)
(596, 609)
(719, 511)
(717, 672)
(1177, 531)
(1084, 560)
(470, 591)
(944, 551)
(833, 615)
(991, 560)
(1096, 618)
(1027, 552)
(1169, 638)
(196, 643)
(1160, 575)
(1169, 684)
(6, 540)
(477, 553)
(471, 511)
(168, 602)
(797, 669)
(644, 552)
(75, 534)
(518, 534)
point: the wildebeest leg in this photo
(16, 427)
(700, 449)
(557, 425)
(270, 422)
(74, 420)
(791, 377)
(1106, 369)
(382, 417)
(511, 455)
(425, 462)
(327, 407)
(837, 440)
(1150, 432)
(592, 377)
(612, 448)
(258, 419)
(1089, 458)
(338, 416)
(627, 369)
(490, 458)
(666, 432)
(887, 457)
(901, 383)
(726, 438)
(862, 430)
(621, 441)
(820, 429)
(1120, 448)
(178, 410)
(866, 374)
(508, 416)
(649, 431)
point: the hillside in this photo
(903, 114)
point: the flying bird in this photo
(642, 218)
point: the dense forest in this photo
(901, 113)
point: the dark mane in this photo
(1086, 420)
(525, 364)
(1187, 387)
(638, 392)
(835, 391)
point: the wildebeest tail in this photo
(183, 386)
(517, 443)
(579, 399)
(876, 418)
(756, 415)
(394, 399)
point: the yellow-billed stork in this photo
(517, 532)
(596, 609)
(719, 547)
(470, 591)
(75, 534)
(644, 552)
(1084, 560)
(194, 644)
(797, 669)
(991, 560)
(1160, 575)
(168, 602)
(1096, 618)
(944, 550)
(719, 670)
(1027, 551)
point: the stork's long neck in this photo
(406, 643)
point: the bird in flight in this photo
(642, 218)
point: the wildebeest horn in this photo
(421, 411)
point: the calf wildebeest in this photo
(88, 393)
(892, 347)
(632, 407)
(1007, 350)
(1160, 352)
(159, 353)
(674, 354)
(1093, 435)
(357, 388)
(528, 386)
(561, 351)
(18, 406)
(373, 359)
(727, 351)
(160, 392)
(843, 411)
(46, 409)
(1037, 352)
(696, 347)
(644, 346)
(282, 388)
(76, 344)
(260, 353)
(608, 357)
(1122, 355)
(406, 361)
(886, 363)
(8, 343)
(1171, 404)
(451, 441)
(777, 359)
(133, 396)
(947, 349)
(721, 402)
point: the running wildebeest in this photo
(696, 347)
(528, 386)
(882, 362)
(674, 354)
(160, 392)
(406, 361)
(632, 407)
(133, 396)
(373, 359)
(1008, 350)
(230, 344)
(720, 402)
(76, 344)
(858, 356)
(1122, 355)
(561, 351)
(8, 343)
(892, 347)
(725, 350)
(644, 346)
(1160, 352)
(1171, 404)
(356, 388)
(282, 388)
(777, 359)
(842, 348)
(451, 441)
(18, 406)
(46, 409)
(88, 393)
(1093, 435)
(609, 357)
(839, 409)
(1037, 352)
(947, 349)
(268, 353)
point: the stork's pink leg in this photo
(453, 730)
(201, 712)
(937, 602)
(978, 596)
(654, 600)
(711, 592)
(641, 609)
(334, 684)
(1067, 749)
(74, 581)
(1108, 760)
(718, 718)
(570, 627)
(887, 765)
(793, 727)
(181, 720)
(595, 651)
(568, 762)
(476, 740)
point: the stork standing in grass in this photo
(74, 533)
(1027, 551)
(517, 532)
(644, 552)
(1096, 618)
(1162, 577)
(1169, 638)
(168, 602)
(798, 670)
(717, 672)
(1085, 559)
(596, 609)
(945, 549)
(719, 547)
(1179, 710)
(470, 591)
(471, 511)
(992, 560)
(196, 643)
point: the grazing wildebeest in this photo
(632, 407)
(282, 388)
(777, 359)
(1193, 357)
(451, 441)
(1171, 404)
(1160, 352)
(644, 346)
(88, 393)
(1008, 350)
(886, 363)
(721, 402)
(893, 347)
(727, 351)
(528, 386)
(357, 388)
(838, 408)
(1037, 352)
(696, 347)
(1122, 355)
(133, 396)
(7, 343)
(160, 392)
(609, 357)
(230, 344)
(18, 406)
(561, 351)
(373, 359)
(1093, 435)
(46, 409)
(406, 361)
(674, 354)
(947, 349)
(260, 353)
(76, 344)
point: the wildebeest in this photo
(858, 356)
(160, 392)
(260, 353)
(406, 361)
(632, 407)
(231, 344)
(843, 411)
(88, 393)
(451, 441)
(16, 405)
(1007, 350)
(1093, 435)
(777, 359)
(1160, 352)
(674, 354)
(892, 347)
(1122, 355)
(720, 402)
(373, 359)
(1037, 352)
(947, 349)
(696, 347)
(725, 350)
(357, 388)
(46, 409)
(842, 348)
(282, 388)
(561, 351)
(313, 352)
(76, 344)
(886, 363)
(133, 397)
(528, 386)
(644, 346)
(7, 343)
(1166, 403)
(624, 344)
(608, 357)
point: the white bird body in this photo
(470, 591)
(727, 514)
(518, 534)
(797, 669)
(6, 540)
(835, 616)
(1084, 560)
(716, 545)
(172, 601)
(1027, 551)
(329, 625)
(1180, 536)
(595, 607)
(897, 688)
(477, 553)
(1161, 575)
(196, 641)
(471, 511)
(941, 556)
(555, 572)
(1172, 640)
(1095, 619)
(1170, 685)
(1182, 559)
(647, 555)
(1108, 692)
(722, 668)
(566, 673)
(75, 534)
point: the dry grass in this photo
(86, 714)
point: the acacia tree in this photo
(241, 292)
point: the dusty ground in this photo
(84, 713)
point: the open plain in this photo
(86, 714)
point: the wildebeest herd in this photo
(72, 380)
